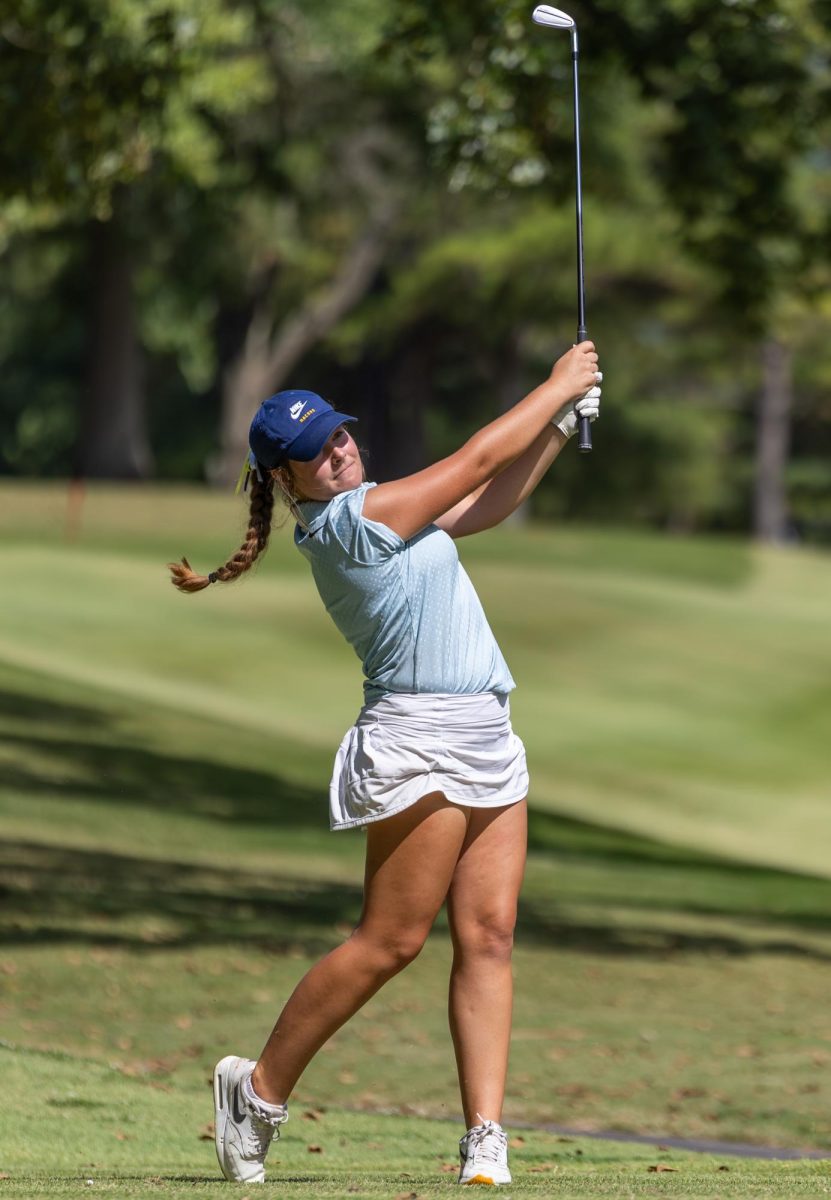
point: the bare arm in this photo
(407, 505)
(502, 495)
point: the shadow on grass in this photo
(52, 894)
(75, 764)
(23, 707)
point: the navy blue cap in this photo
(292, 424)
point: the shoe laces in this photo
(486, 1142)
(264, 1124)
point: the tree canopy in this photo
(201, 203)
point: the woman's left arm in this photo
(496, 499)
(502, 495)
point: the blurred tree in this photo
(490, 297)
(104, 96)
(274, 343)
(740, 96)
(315, 228)
(749, 87)
(381, 194)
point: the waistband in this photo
(437, 711)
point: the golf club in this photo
(555, 18)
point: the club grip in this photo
(584, 425)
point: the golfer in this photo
(431, 769)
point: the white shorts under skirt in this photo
(405, 745)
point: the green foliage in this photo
(232, 135)
(101, 91)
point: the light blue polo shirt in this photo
(408, 609)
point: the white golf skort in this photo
(408, 744)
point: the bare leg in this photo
(410, 862)
(481, 906)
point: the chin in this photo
(348, 481)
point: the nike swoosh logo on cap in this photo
(296, 409)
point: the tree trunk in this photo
(113, 428)
(770, 514)
(271, 351)
(268, 355)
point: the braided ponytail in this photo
(256, 541)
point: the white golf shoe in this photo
(244, 1129)
(484, 1154)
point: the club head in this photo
(544, 14)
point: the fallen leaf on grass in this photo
(542, 1167)
(207, 1133)
(312, 1114)
(5, 1175)
(723, 1168)
(407, 1196)
(446, 1168)
(516, 1142)
(315, 1149)
(122, 1136)
(661, 1167)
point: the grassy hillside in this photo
(668, 687)
(167, 873)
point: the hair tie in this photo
(212, 578)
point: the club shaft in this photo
(578, 175)
(584, 439)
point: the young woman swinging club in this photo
(431, 768)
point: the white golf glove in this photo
(565, 419)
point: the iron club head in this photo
(544, 14)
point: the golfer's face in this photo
(336, 469)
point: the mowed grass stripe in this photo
(168, 875)
(684, 700)
(115, 623)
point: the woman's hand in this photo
(587, 406)
(574, 373)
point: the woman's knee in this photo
(388, 950)
(489, 935)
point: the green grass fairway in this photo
(166, 870)
(674, 688)
(132, 1137)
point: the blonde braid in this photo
(256, 540)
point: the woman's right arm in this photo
(407, 505)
